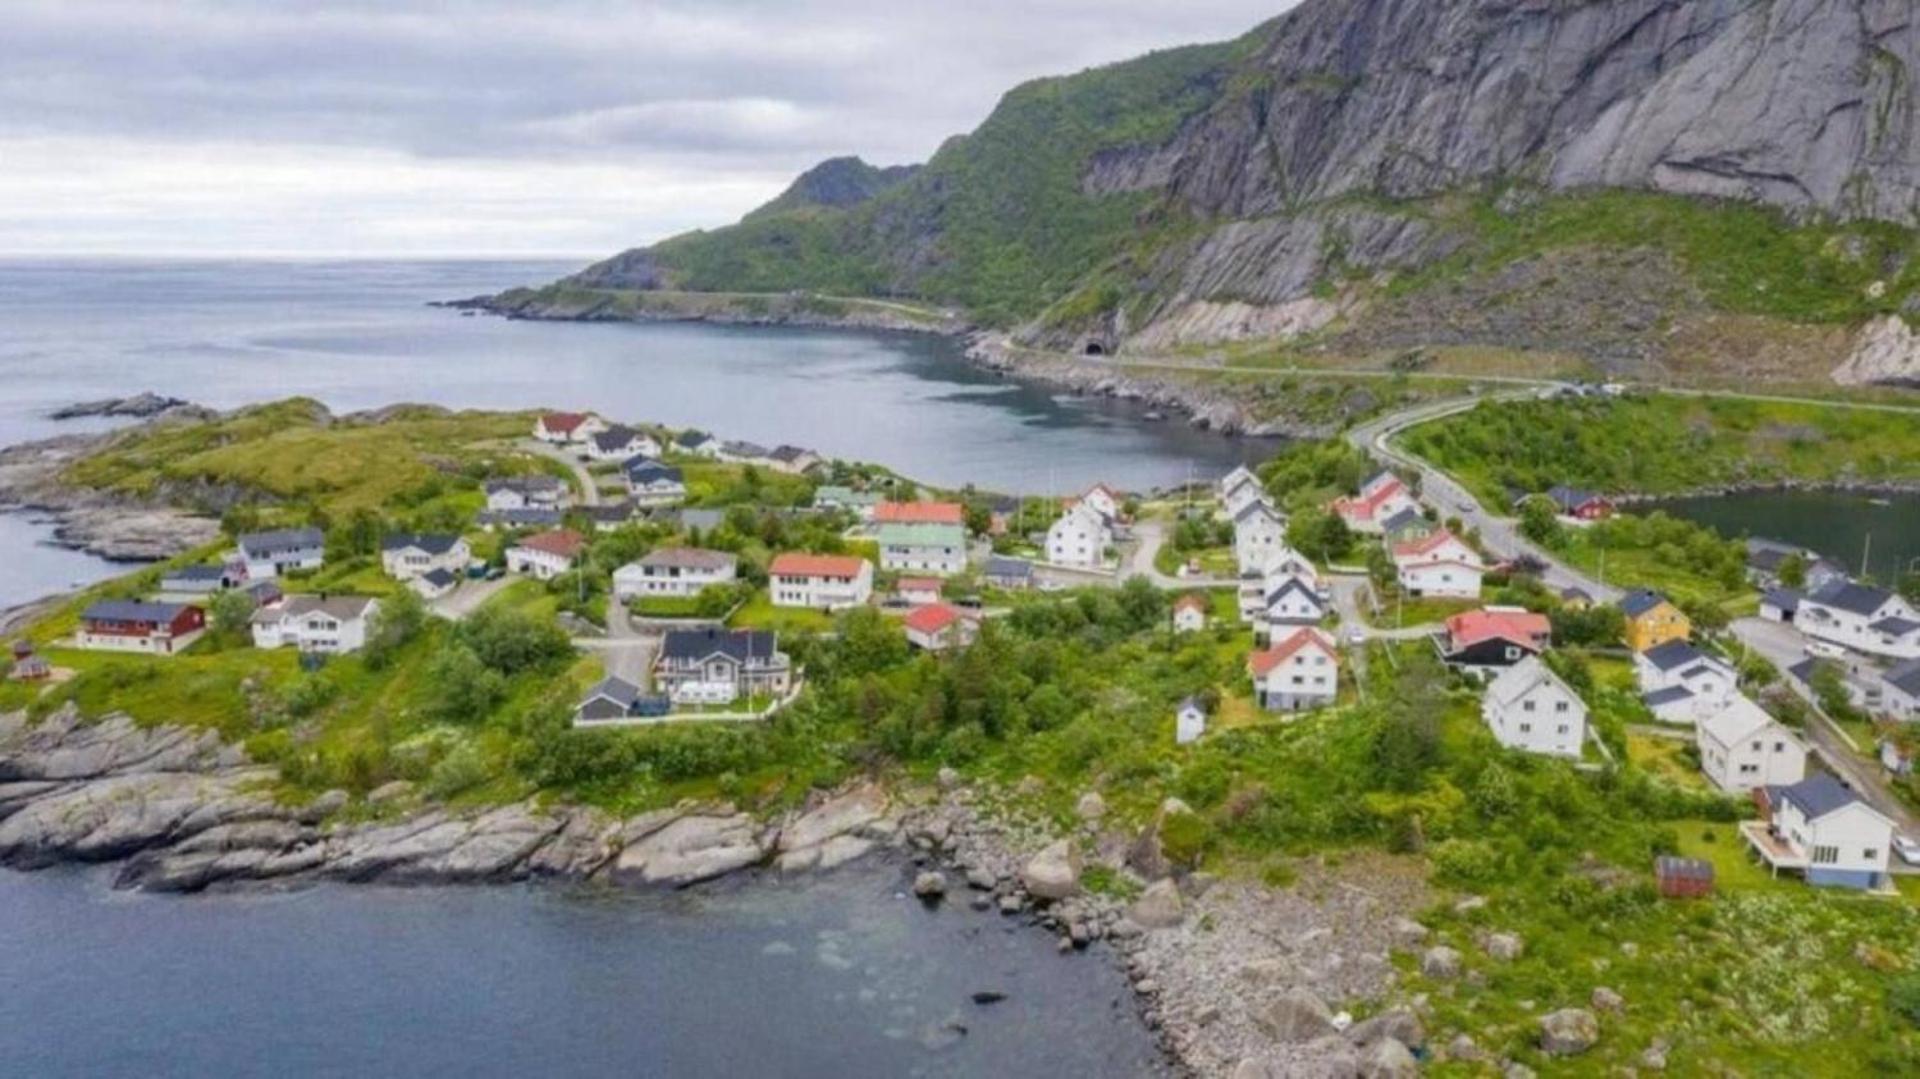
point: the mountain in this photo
(1649, 185)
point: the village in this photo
(691, 634)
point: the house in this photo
(651, 483)
(1894, 756)
(1380, 498)
(1780, 605)
(1683, 878)
(1900, 691)
(919, 591)
(1298, 673)
(1742, 747)
(1818, 827)
(434, 583)
(720, 665)
(1259, 534)
(1528, 707)
(1189, 721)
(1440, 564)
(937, 627)
(1102, 499)
(698, 444)
(792, 459)
(1406, 526)
(159, 629)
(263, 593)
(1080, 537)
(526, 492)
(692, 520)
(1652, 620)
(514, 520)
(315, 623)
(1493, 637)
(919, 513)
(1681, 684)
(1766, 557)
(1256, 590)
(568, 428)
(1190, 613)
(621, 444)
(199, 580)
(1575, 598)
(740, 452)
(1578, 504)
(859, 503)
(1012, 574)
(923, 548)
(674, 571)
(1238, 488)
(609, 516)
(1290, 603)
(415, 554)
(28, 665)
(546, 555)
(269, 554)
(616, 700)
(1861, 617)
(821, 581)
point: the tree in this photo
(1910, 587)
(1540, 520)
(1793, 571)
(398, 620)
(510, 641)
(465, 689)
(231, 611)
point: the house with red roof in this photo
(568, 428)
(1440, 564)
(919, 513)
(1101, 498)
(1494, 637)
(823, 582)
(1380, 498)
(546, 555)
(937, 627)
(919, 591)
(1190, 613)
(1299, 672)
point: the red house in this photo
(1581, 505)
(159, 629)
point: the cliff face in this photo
(1290, 184)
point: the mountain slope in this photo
(1336, 175)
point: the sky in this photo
(572, 127)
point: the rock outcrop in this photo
(1886, 353)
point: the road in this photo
(467, 598)
(1149, 536)
(589, 489)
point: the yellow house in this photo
(1653, 620)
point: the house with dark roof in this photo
(697, 443)
(1680, 683)
(511, 520)
(1289, 603)
(651, 483)
(1819, 828)
(155, 629)
(407, 555)
(615, 701)
(719, 665)
(199, 580)
(792, 459)
(269, 554)
(1900, 690)
(1407, 526)
(1861, 617)
(620, 443)
(435, 583)
(1189, 720)
(526, 492)
(1012, 574)
(28, 665)
(1780, 604)
(674, 571)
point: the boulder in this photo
(931, 884)
(1440, 961)
(1159, 907)
(1505, 947)
(1296, 1016)
(1400, 1024)
(1463, 1047)
(1388, 1059)
(1568, 1032)
(1408, 933)
(1606, 1000)
(690, 849)
(1091, 807)
(838, 816)
(1054, 873)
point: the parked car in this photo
(1908, 848)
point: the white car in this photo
(1356, 635)
(1908, 848)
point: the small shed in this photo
(27, 664)
(1683, 878)
(1189, 721)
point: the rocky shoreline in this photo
(111, 526)
(1861, 488)
(797, 310)
(1229, 976)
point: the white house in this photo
(526, 493)
(621, 444)
(697, 443)
(435, 583)
(1238, 488)
(1298, 673)
(1286, 564)
(823, 582)
(653, 484)
(674, 571)
(1190, 613)
(1681, 684)
(1080, 537)
(1189, 721)
(1742, 747)
(919, 591)
(1818, 827)
(792, 459)
(567, 428)
(269, 554)
(329, 624)
(1383, 496)
(546, 555)
(1440, 564)
(413, 554)
(937, 627)
(923, 548)
(1290, 603)
(1103, 500)
(1259, 535)
(1900, 691)
(1528, 707)
(1861, 617)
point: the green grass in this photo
(760, 613)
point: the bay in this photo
(1834, 523)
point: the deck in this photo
(1772, 850)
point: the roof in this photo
(1572, 498)
(1008, 567)
(738, 644)
(439, 578)
(925, 513)
(1262, 662)
(693, 438)
(920, 584)
(430, 542)
(790, 454)
(648, 470)
(1575, 592)
(618, 690)
(128, 610)
(563, 421)
(1522, 678)
(282, 539)
(742, 448)
(1194, 703)
(1239, 477)
(1676, 868)
(1521, 627)
(1904, 677)
(1259, 507)
(531, 515)
(1426, 544)
(345, 608)
(1895, 627)
(1634, 604)
(1816, 796)
(1786, 599)
(922, 535)
(687, 558)
(1738, 719)
(611, 511)
(563, 542)
(1671, 655)
(1194, 600)
(525, 483)
(1848, 596)
(195, 573)
(1293, 584)
(1670, 695)
(1380, 487)
(798, 564)
(932, 618)
(1406, 518)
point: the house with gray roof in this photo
(511, 520)
(315, 623)
(719, 665)
(269, 554)
(1012, 574)
(407, 555)
(650, 483)
(1819, 828)
(526, 492)
(154, 629)
(1860, 617)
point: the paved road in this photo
(467, 598)
(1148, 537)
(589, 487)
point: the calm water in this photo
(840, 977)
(1832, 523)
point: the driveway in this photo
(467, 598)
(1149, 535)
(589, 489)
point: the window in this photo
(1826, 855)
(1870, 854)
(1560, 706)
(1526, 706)
(1526, 728)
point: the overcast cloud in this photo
(219, 126)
